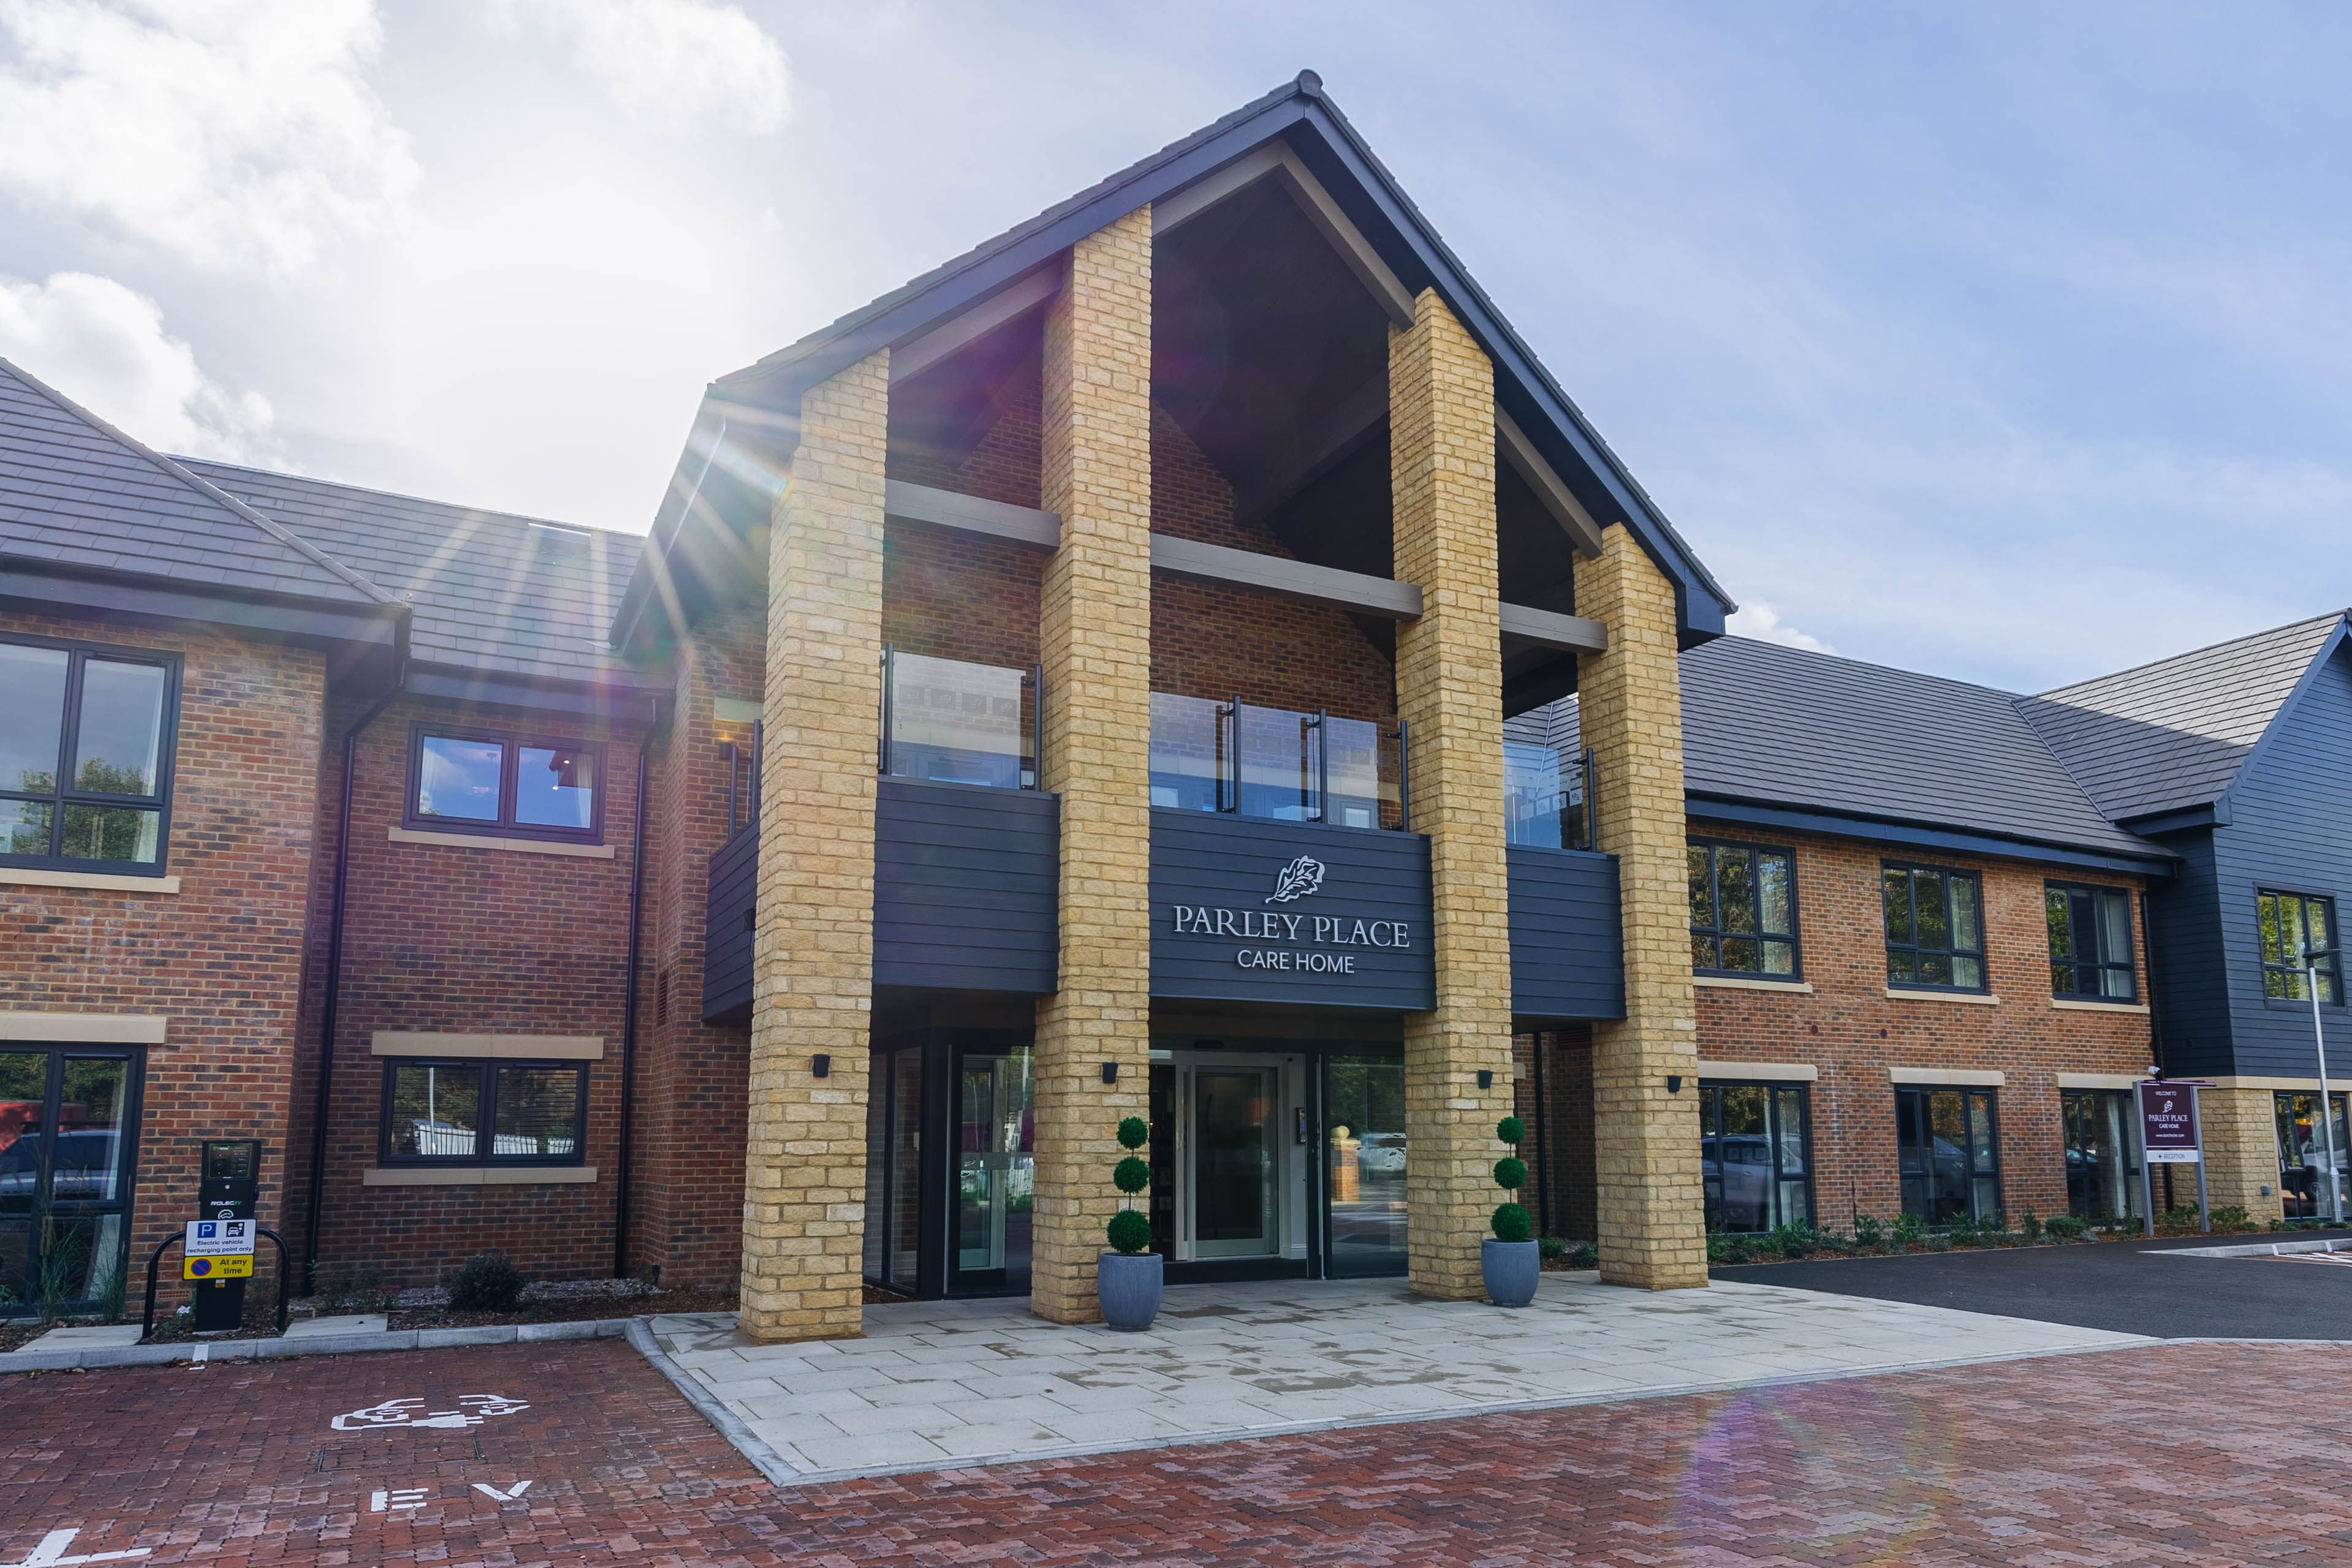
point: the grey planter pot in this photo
(1512, 1268)
(1129, 1288)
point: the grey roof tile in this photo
(487, 590)
(1766, 725)
(75, 491)
(2171, 735)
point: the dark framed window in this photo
(86, 740)
(1935, 928)
(2102, 1179)
(1743, 901)
(1947, 1154)
(476, 780)
(484, 1111)
(2293, 925)
(2090, 942)
(1755, 1150)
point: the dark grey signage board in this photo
(1254, 911)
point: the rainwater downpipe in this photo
(629, 1013)
(320, 1103)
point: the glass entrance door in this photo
(65, 1117)
(1236, 1200)
(2102, 1170)
(996, 1175)
(1364, 1150)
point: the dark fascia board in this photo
(633, 700)
(1324, 139)
(2309, 678)
(2210, 815)
(92, 590)
(2158, 863)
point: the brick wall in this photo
(1851, 1032)
(223, 957)
(468, 940)
(687, 1188)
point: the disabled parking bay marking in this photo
(51, 1552)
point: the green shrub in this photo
(1796, 1239)
(2032, 1226)
(1510, 1173)
(1869, 1232)
(2066, 1227)
(1129, 1231)
(2231, 1218)
(1131, 1175)
(1511, 1223)
(1551, 1247)
(1910, 1229)
(1512, 1131)
(1584, 1255)
(353, 1287)
(1722, 1248)
(1134, 1132)
(486, 1282)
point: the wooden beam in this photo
(1522, 456)
(905, 503)
(1284, 579)
(1552, 630)
(1023, 295)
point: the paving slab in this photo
(86, 1336)
(1236, 1360)
(344, 1323)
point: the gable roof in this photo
(487, 590)
(2174, 735)
(764, 397)
(1812, 736)
(77, 495)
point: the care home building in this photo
(1183, 658)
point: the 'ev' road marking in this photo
(391, 1502)
(398, 1498)
(51, 1552)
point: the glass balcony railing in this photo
(1547, 796)
(1289, 766)
(959, 723)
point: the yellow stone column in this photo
(1651, 1219)
(813, 955)
(1095, 635)
(1449, 688)
(2240, 1132)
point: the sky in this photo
(2007, 342)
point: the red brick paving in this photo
(2191, 1453)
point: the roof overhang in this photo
(2157, 862)
(637, 700)
(81, 589)
(1294, 133)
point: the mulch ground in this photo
(2194, 1453)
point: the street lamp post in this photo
(2312, 958)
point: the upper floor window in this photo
(471, 778)
(1743, 910)
(2294, 924)
(2090, 942)
(1935, 928)
(85, 754)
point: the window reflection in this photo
(556, 788)
(459, 779)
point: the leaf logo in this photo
(1296, 880)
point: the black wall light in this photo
(1110, 1072)
(1674, 1082)
(821, 1065)
(1485, 1079)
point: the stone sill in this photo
(519, 846)
(1949, 1077)
(1974, 999)
(508, 1047)
(85, 1029)
(1734, 983)
(2066, 1004)
(476, 1175)
(1758, 1072)
(2101, 1080)
(90, 881)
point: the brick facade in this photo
(1853, 1033)
(223, 956)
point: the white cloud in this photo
(680, 59)
(104, 347)
(1761, 622)
(232, 133)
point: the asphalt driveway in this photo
(2128, 1287)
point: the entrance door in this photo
(1363, 1137)
(996, 1174)
(2101, 1169)
(65, 1175)
(1236, 1193)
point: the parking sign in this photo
(220, 1239)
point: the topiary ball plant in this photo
(1130, 1229)
(1511, 1221)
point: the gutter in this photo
(629, 1016)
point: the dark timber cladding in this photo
(727, 929)
(966, 879)
(1567, 935)
(1246, 910)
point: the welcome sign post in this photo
(2170, 1135)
